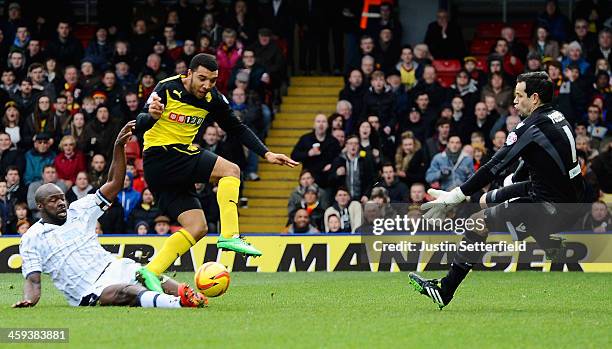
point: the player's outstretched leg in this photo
(442, 291)
(227, 198)
(136, 295)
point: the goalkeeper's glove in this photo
(444, 202)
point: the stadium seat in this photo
(481, 46)
(446, 79)
(523, 30)
(481, 63)
(446, 65)
(132, 150)
(489, 30)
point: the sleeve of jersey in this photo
(515, 144)
(30, 259)
(229, 122)
(144, 121)
(91, 206)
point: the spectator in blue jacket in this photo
(37, 158)
(128, 197)
(450, 168)
(574, 57)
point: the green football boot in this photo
(238, 245)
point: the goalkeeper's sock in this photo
(174, 247)
(462, 263)
(150, 299)
(227, 198)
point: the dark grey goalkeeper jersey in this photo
(545, 142)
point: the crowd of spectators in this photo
(66, 90)
(400, 129)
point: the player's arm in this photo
(31, 291)
(116, 172)
(152, 110)
(229, 122)
(31, 267)
(515, 144)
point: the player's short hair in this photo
(205, 60)
(537, 82)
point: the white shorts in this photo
(120, 271)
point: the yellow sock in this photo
(227, 197)
(174, 246)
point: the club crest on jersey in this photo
(511, 139)
(185, 119)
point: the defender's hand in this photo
(126, 133)
(280, 159)
(156, 108)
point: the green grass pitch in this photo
(350, 309)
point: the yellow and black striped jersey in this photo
(184, 114)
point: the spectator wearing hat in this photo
(38, 157)
(437, 143)
(450, 168)
(100, 50)
(167, 62)
(543, 45)
(348, 212)
(414, 123)
(469, 65)
(146, 84)
(534, 63)
(88, 78)
(65, 48)
(141, 228)
(162, 225)
(300, 223)
(101, 133)
(574, 56)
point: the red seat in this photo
(489, 30)
(523, 30)
(132, 150)
(481, 63)
(481, 46)
(446, 79)
(446, 65)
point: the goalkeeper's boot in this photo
(430, 288)
(149, 280)
(191, 298)
(237, 244)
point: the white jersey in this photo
(70, 253)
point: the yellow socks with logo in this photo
(227, 198)
(174, 247)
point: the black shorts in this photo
(171, 172)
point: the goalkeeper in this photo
(545, 142)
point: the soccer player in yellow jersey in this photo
(170, 121)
